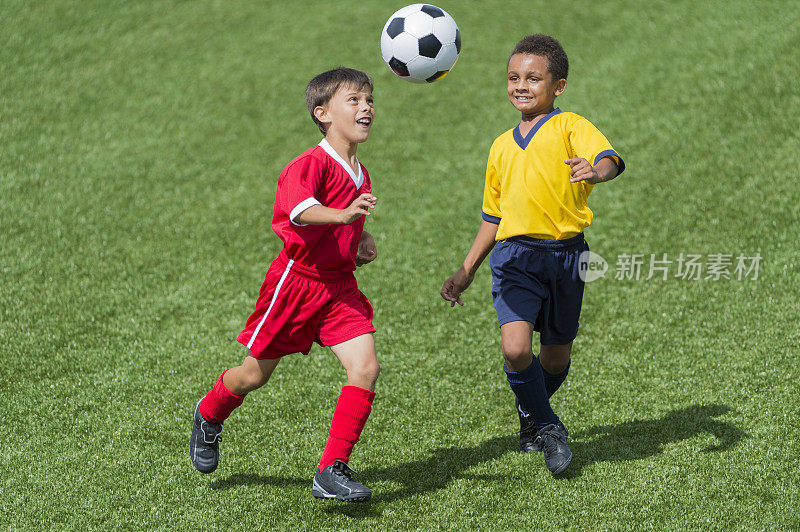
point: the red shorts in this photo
(296, 308)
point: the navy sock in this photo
(528, 386)
(553, 382)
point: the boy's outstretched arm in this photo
(459, 281)
(580, 170)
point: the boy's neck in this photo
(345, 149)
(535, 117)
(528, 122)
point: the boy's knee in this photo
(555, 358)
(373, 371)
(365, 374)
(517, 359)
(369, 370)
(514, 349)
(555, 366)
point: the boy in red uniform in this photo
(310, 293)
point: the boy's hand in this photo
(359, 207)
(367, 251)
(455, 285)
(581, 170)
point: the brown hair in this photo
(547, 46)
(321, 88)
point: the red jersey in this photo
(319, 176)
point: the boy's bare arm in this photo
(319, 214)
(459, 281)
(580, 170)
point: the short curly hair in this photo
(547, 46)
(322, 87)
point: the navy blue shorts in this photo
(538, 281)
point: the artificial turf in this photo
(140, 144)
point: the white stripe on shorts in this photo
(274, 297)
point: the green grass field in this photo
(140, 144)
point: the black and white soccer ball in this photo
(420, 43)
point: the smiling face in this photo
(531, 87)
(348, 115)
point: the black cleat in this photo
(552, 441)
(204, 442)
(527, 432)
(336, 482)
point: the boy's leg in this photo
(526, 379)
(232, 386)
(251, 375)
(524, 376)
(355, 401)
(226, 395)
(334, 479)
(555, 362)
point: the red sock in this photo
(218, 404)
(349, 418)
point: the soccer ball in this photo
(420, 43)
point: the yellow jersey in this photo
(528, 191)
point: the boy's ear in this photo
(321, 114)
(561, 86)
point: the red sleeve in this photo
(368, 186)
(298, 185)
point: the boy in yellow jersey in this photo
(538, 178)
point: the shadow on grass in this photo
(631, 440)
(642, 438)
(439, 469)
(431, 474)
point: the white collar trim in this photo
(357, 179)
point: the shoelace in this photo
(343, 469)
(550, 443)
(528, 430)
(214, 434)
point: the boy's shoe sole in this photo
(336, 482)
(318, 492)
